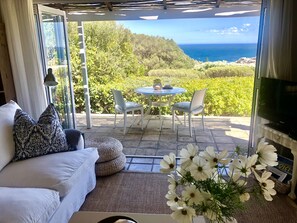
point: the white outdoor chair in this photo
(121, 106)
(195, 106)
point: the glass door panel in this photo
(54, 49)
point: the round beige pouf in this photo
(108, 148)
(111, 158)
(110, 167)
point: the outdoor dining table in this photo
(156, 97)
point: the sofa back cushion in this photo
(7, 149)
(34, 139)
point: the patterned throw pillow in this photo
(34, 139)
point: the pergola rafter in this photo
(114, 5)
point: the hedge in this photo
(230, 71)
(225, 96)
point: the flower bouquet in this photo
(215, 185)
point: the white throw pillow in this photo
(7, 148)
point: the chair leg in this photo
(190, 124)
(173, 119)
(203, 120)
(141, 110)
(160, 118)
(133, 120)
(115, 118)
(125, 119)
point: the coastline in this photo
(231, 52)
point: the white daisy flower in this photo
(181, 172)
(192, 195)
(173, 198)
(244, 197)
(168, 163)
(236, 178)
(200, 169)
(266, 184)
(211, 215)
(267, 154)
(172, 182)
(215, 158)
(187, 155)
(243, 165)
(183, 214)
(260, 167)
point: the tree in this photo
(160, 53)
(114, 54)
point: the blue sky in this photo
(200, 30)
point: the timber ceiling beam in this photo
(114, 5)
(82, 1)
(218, 3)
(165, 4)
(109, 6)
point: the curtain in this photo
(278, 52)
(278, 48)
(18, 18)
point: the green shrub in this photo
(206, 65)
(171, 73)
(230, 71)
(231, 96)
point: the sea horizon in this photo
(229, 52)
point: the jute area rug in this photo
(139, 192)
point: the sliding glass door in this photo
(51, 25)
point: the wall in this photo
(0, 14)
(294, 37)
(7, 90)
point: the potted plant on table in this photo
(215, 185)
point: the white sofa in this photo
(47, 188)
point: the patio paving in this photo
(153, 141)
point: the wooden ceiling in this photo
(115, 5)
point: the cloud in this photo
(226, 31)
(232, 30)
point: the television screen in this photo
(278, 104)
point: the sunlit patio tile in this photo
(223, 139)
(204, 139)
(146, 152)
(148, 144)
(130, 143)
(228, 146)
(151, 137)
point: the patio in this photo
(220, 132)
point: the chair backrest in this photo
(120, 103)
(197, 101)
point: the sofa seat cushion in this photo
(58, 171)
(27, 205)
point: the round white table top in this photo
(152, 91)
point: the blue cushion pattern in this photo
(34, 139)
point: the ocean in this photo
(219, 52)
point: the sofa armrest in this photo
(75, 138)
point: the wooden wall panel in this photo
(7, 90)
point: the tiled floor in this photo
(145, 164)
(145, 148)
